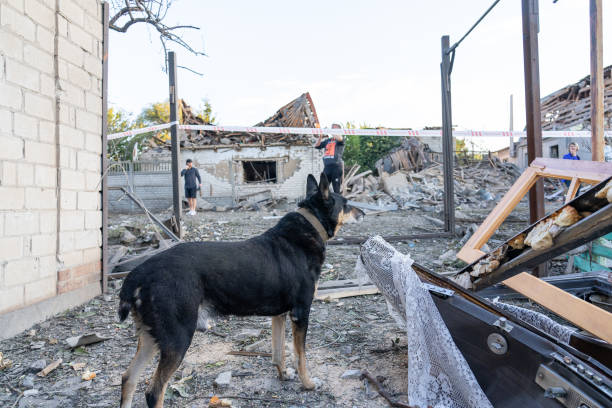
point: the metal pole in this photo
(532, 106)
(104, 159)
(176, 152)
(447, 139)
(597, 87)
(511, 152)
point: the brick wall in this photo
(50, 138)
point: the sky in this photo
(374, 63)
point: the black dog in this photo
(171, 293)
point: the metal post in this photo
(447, 140)
(104, 159)
(597, 86)
(176, 199)
(532, 106)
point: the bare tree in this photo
(126, 13)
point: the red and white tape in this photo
(361, 132)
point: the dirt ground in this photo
(352, 333)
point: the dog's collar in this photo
(315, 223)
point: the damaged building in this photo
(235, 167)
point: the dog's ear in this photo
(311, 186)
(324, 186)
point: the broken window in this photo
(259, 171)
(554, 151)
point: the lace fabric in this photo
(438, 375)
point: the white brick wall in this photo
(47, 173)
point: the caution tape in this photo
(360, 132)
(139, 131)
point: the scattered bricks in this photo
(11, 45)
(39, 106)
(10, 96)
(40, 14)
(88, 200)
(26, 126)
(11, 198)
(39, 290)
(17, 23)
(40, 198)
(70, 52)
(41, 153)
(20, 271)
(71, 179)
(45, 176)
(11, 298)
(22, 75)
(68, 200)
(25, 174)
(21, 223)
(11, 248)
(38, 59)
(9, 174)
(72, 221)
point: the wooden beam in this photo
(573, 188)
(329, 294)
(580, 313)
(597, 82)
(587, 171)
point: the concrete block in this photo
(72, 220)
(25, 126)
(79, 77)
(40, 153)
(92, 181)
(88, 161)
(11, 298)
(70, 179)
(16, 4)
(93, 103)
(19, 272)
(68, 158)
(88, 200)
(6, 122)
(47, 265)
(40, 290)
(48, 221)
(17, 23)
(46, 131)
(87, 239)
(25, 174)
(71, 258)
(11, 248)
(93, 26)
(10, 96)
(40, 13)
(70, 52)
(11, 45)
(11, 198)
(93, 64)
(47, 86)
(68, 200)
(92, 254)
(87, 121)
(22, 75)
(12, 147)
(93, 220)
(71, 94)
(45, 176)
(71, 11)
(39, 59)
(80, 37)
(93, 142)
(39, 106)
(43, 245)
(62, 26)
(45, 38)
(9, 174)
(67, 114)
(66, 245)
(1, 233)
(71, 137)
(40, 198)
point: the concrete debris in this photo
(351, 374)
(37, 365)
(223, 380)
(85, 339)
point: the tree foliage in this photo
(366, 150)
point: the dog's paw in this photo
(289, 374)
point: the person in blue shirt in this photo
(333, 166)
(191, 174)
(572, 155)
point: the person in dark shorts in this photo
(191, 185)
(332, 157)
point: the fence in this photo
(150, 181)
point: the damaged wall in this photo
(50, 133)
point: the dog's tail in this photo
(127, 297)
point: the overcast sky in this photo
(362, 61)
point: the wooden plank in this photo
(571, 191)
(339, 293)
(580, 313)
(470, 255)
(587, 171)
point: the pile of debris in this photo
(412, 154)
(298, 113)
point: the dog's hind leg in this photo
(129, 380)
(169, 361)
(299, 328)
(278, 343)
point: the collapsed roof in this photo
(569, 108)
(300, 112)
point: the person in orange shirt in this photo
(332, 157)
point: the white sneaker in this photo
(192, 212)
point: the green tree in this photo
(118, 120)
(366, 150)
